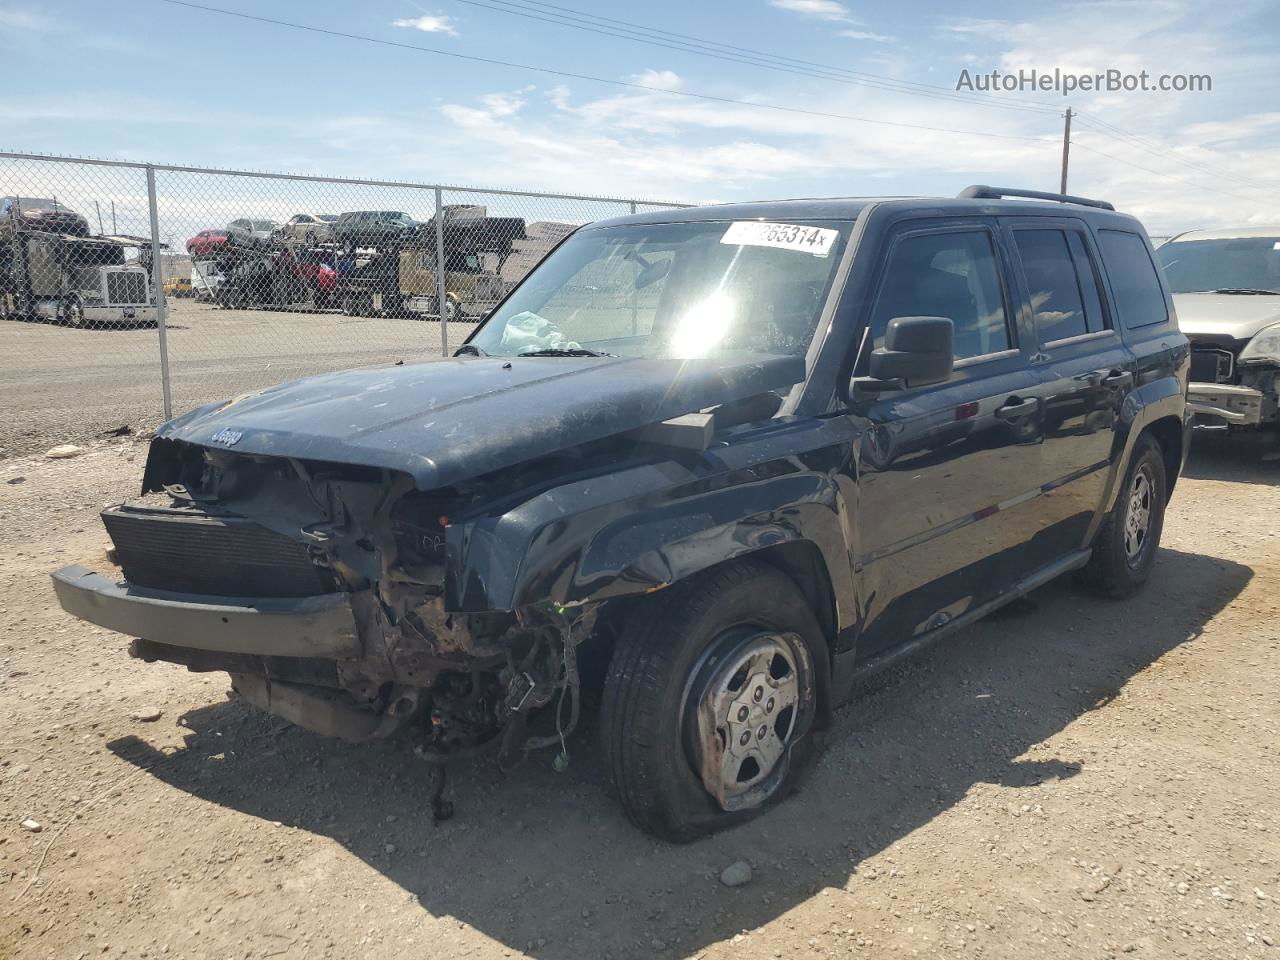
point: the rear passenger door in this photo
(1085, 372)
(944, 471)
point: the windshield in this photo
(1245, 263)
(680, 290)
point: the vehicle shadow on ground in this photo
(546, 864)
(1236, 459)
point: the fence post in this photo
(633, 206)
(442, 295)
(157, 284)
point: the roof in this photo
(1228, 233)
(848, 208)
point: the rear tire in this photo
(717, 660)
(1126, 547)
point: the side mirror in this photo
(917, 351)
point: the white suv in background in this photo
(1226, 286)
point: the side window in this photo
(1087, 271)
(1054, 287)
(947, 275)
(1134, 281)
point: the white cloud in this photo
(990, 29)
(1202, 159)
(822, 9)
(653, 144)
(866, 35)
(1217, 132)
(650, 143)
(428, 23)
(16, 19)
(658, 79)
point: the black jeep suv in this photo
(707, 467)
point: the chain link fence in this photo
(130, 292)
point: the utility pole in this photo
(1066, 149)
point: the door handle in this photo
(1118, 378)
(1015, 408)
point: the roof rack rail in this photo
(982, 192)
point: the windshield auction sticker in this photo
(785, 236)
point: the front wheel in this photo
(1125, 550)
(711, 701)
(73, 313)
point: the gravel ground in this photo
(62, 385)
(1071, 778)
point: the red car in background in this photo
(206, 242)
(317, 273)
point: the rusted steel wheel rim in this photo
(745, 709)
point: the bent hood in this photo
(443, 421)
(1238, 316)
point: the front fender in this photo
(1157, 399)
(646, 527)
(638, 553)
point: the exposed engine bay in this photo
(216, 524)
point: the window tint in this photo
(1052, 283)
(1087, 272)
(947, 275)
(1133, 278)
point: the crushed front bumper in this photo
(1223, 404)
(321, 626)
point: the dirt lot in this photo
(61, 385)
(1073, 778)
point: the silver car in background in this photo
(1226, 286)
(309, 227)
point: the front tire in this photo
(711, 700)
(73, 314)
(1129, 539)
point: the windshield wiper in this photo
(1248, 291)
(565, 352)
(469, 350)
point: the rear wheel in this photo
(1125, 550)
(711, 700)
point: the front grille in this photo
(192, 551)
(126, 287)
(1211, 366)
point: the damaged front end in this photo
(321, 589)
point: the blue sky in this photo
(146, 80)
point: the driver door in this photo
(946, 472)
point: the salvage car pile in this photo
(370, 263)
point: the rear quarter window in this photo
(1134, 281)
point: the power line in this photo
(692, 45)
(491, 61)
(1157, 150)
(1157, 173)
(560, 15)
(751, 50)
